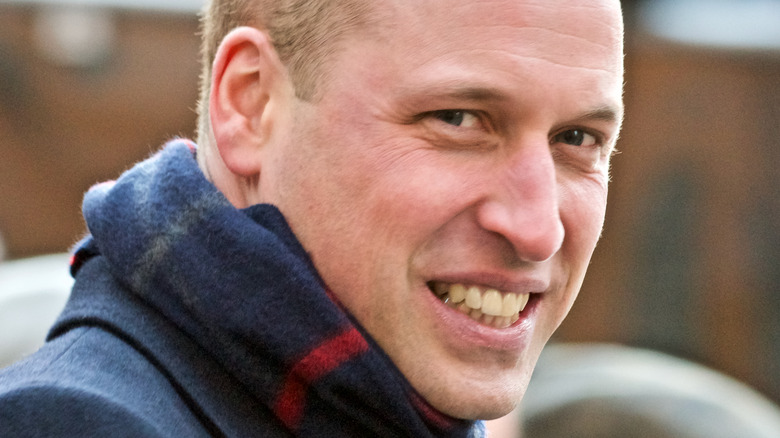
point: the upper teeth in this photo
(489, 302)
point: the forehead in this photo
(552, 25)
(507, 39)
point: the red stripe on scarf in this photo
(320, 361)
(432, 415)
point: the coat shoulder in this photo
(87, 383)
(51, 410)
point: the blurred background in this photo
(690, 259)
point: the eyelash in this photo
(440, 115)
(598, 139)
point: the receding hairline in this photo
(305, 34)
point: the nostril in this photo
(534, 236)
(544, 244)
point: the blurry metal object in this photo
(33, 292)
(736, 24)
(75, 36)
(605, 391)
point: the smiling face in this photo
(455, 167)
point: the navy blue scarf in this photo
(240, 283)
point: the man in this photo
(405, 198)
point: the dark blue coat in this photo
(114, 367)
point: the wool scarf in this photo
(241, 285)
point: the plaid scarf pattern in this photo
(241, 285)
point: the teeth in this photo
(490, 307)
(441, 288)
(492, 303)
(457, 293)
(509, 305)
(522, 301)
(474, 298)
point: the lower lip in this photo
(462, 331)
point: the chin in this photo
(488, 401)
(482, 408)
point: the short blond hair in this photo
(304, 33)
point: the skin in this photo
(473, 149)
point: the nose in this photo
(523, 204)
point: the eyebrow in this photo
(605, 113)
(456, 91)
(474, 93)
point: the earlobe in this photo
(246, 69)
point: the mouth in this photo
(487, 306)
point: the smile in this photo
(487, 306)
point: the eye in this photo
(459, 118)
(457, 129)
(576, 137)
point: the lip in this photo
(463, 333)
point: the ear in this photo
(245, 77)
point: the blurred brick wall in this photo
(64, 128)
(690, 258)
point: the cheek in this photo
(406, 184)
(582, 212)
(582, 208)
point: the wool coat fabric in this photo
(191, 318)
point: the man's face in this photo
(455, 166)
